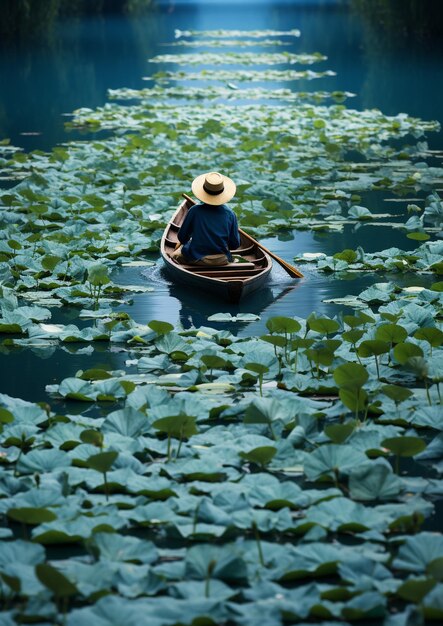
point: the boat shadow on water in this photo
(196, 306)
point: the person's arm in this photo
(185, 232)
(234, 236)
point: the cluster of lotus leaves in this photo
(209, 478)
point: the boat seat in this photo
(217, 268)
(227, 273)
(244, 250)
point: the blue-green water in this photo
(43, 81)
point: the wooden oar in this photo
(292, 271)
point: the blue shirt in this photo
(209, 229)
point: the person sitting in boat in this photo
(210, 229)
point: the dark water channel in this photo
(41, 81)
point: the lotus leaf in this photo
(391, 333)
(418, 551)
(330, 459)
(432, 604)
(221, 562)
(343, 515)
(371, 605)
(161, 328)
(93, 437)
(55, 581)
(261, 456)
(374, 481)
(428, 417)
(396, 393)
(350, 375)
(32, 516)
(128, 422)
(103, 461)
(434, 336)
(62, 531)
(364, 573)
(405, 351)
(177, 426)
(268, 410)
(338, 433)
(72, 216)
(115, 548)
(42, 461)
(414, 589)
(286, 325)
(90, 579)
(404, 446)
(20, 551)
(314, 559)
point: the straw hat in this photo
(213, 188)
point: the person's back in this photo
(210, 229)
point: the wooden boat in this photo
(232, 281)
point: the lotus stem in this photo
(207, 586)
(258, 541)
(65, 609)
(211, 567)
(377, 367)
(106, 486)
(179, 443)
(336, 477)
(169, 447)
(366, 412)
(272, 431)
(428, 395)
(296, 361)
(195, 520)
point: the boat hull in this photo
(230, 283)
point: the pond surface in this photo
(256, 465)
(87, 56)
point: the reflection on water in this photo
(193, 314)
(281, 296)
(25, 376)
(86, 58)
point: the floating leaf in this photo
(417, 552)
(329, 459)
(374, 481)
